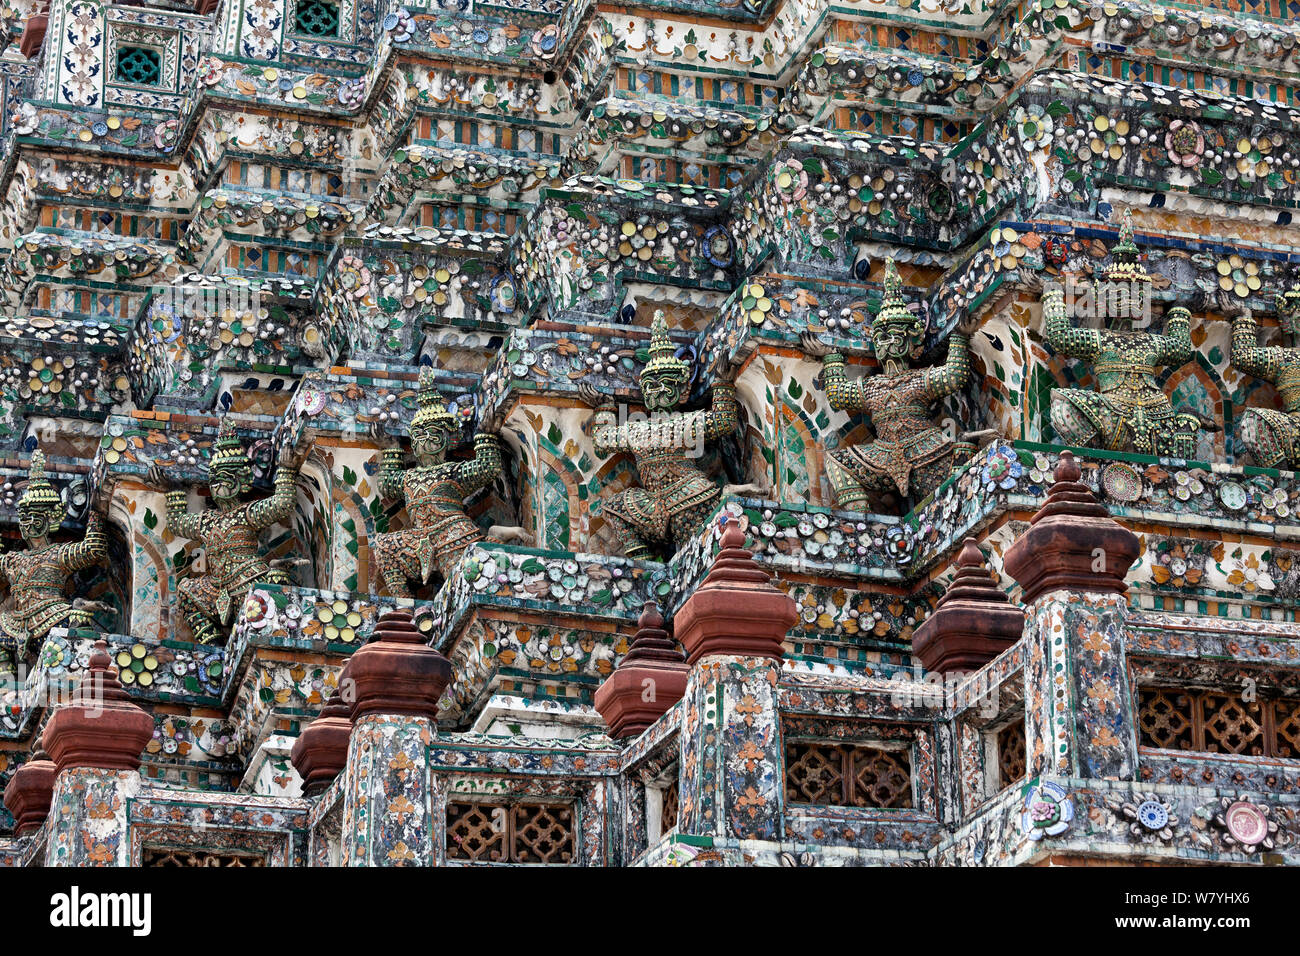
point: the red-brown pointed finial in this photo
(970, 556)
(650, 618)
(732, 537)
(1067, 469)
(650, 678)
(737, 611)
(1073, 543)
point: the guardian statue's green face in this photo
(897, 340)
(897, 333)
(433, 429)
(34, 524)
(430, 442)
(665, 378)
(662, 390)
(40, 509)
(227, 484)
(230, 473)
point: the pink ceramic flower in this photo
(354, 277)
(791, 178)
(166, 133)
(1185, 143)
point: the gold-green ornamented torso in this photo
(675, 493)
(435, 503)
(898, 405)
(37, 579)
(1129, 411)
(232, 550)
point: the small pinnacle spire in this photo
(1072, 544)
(732, 536)
(893, 281)
(1126, 227)
(101, 677)
(652, 642)
(650, 618)
(737, 610)
(1067, 469)
(653, 661)
(1069, 495)
(970, 556)
(973, 622)
(735, 563)
(974, 580)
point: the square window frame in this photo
(165, 41)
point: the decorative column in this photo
(1071, 565)
(30, 791)
(95, 743)
(388, 795)
(732, 627)
(649, 679)
(321, 751)
(974, 621)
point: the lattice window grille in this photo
(1216, 722)
(1012, 761)
(497, 832)
(167, 856)
(318, 18)
(139, 65)
(668, 815)
(1287, 721)
(1165, 719)
(847, 775)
